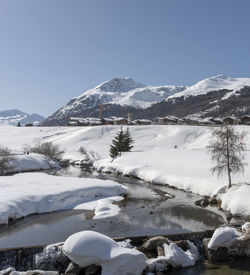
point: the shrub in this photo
(5, 157)
(48, 149)
(89, 157)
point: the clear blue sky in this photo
(53, 50)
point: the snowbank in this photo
(31, 162)
(31, 193)
(88, 247)
(153, 158)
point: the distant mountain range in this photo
(215, 96)
(12, 117)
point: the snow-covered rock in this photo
(246, 228)
(223, 237)
(177, 257)
(174, 256)
(227, 242)
(89, 247)
(31, 193)
(51, 258)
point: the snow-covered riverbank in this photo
(31, 193)
(153, 158)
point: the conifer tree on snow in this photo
(128, 141)
(122, 142)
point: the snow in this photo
(237, 199)
(31, 162)
(88, 247)
(12, 271)
(12, 117)
(214, 83)
(223, 237)
(30, 193)
(153, 158)
(246, 228)
(123, 91)
(177, 257)
(174, 256)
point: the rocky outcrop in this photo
(227, 244)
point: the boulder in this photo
(204, 202)
(160, 251)
(52, 258)
(183, 244)
(212, 201)
(91, 248)
(152, 243)
(73, 269)
(215, 255)
(227, 242)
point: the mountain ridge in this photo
(204, 98)
(14, 116)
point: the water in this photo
(147, 210)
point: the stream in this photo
(146, 210)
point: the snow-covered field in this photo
(29, 193)
(153, 158)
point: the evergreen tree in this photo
(128, 141)
(122, 142)
(117, 144)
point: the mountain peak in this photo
(214, 83)
(118, 84)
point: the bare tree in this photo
(227, 149)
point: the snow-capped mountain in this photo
(122, 91)
(12, 117)
(215, 83)
(118, 91)
(216, 96)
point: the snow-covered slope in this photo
(123, 91)
(12, 117)
(214, 83)
(154, 157)
(120, 91)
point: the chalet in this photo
(245, 120)
(29, 125)
(170, 120)
(108, 121)
(217, 121)
(229, 120)
(84, 121)
(143, 122)
(120, 121)
(157, 120)
(190, 121)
